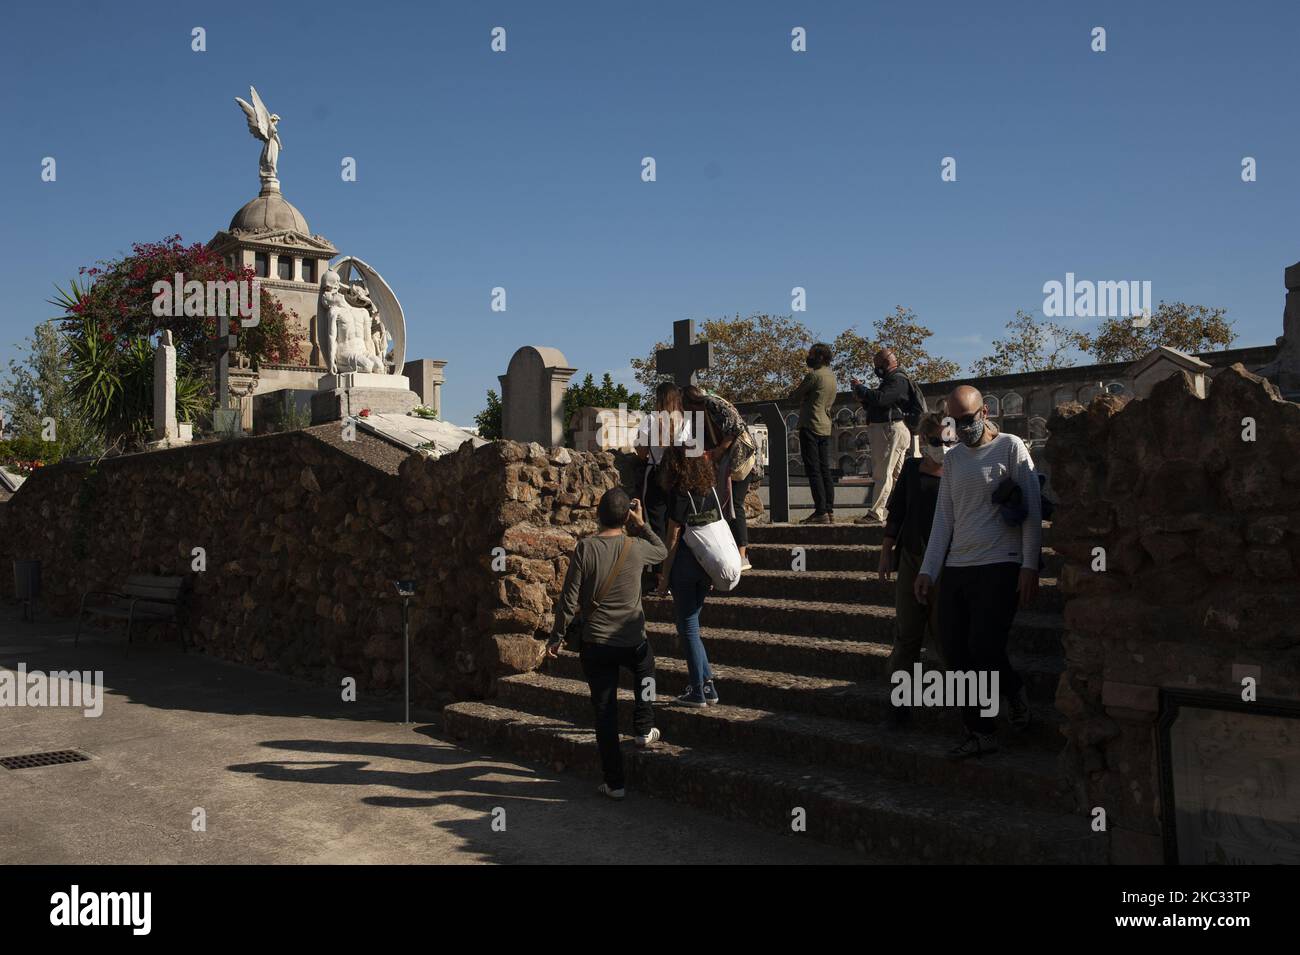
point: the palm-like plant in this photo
(112, 379)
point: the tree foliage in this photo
(1188, 328)
(488, 421)
(763, 357)
(901, 332)
(36, 393)
(109, 325)
(1030, 346)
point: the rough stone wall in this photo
(304, 535)
(1201, 531)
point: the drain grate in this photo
(32, 760)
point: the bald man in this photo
(891, 442)
(989, 567)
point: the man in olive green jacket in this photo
(816, 394)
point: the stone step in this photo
(845, 557)
(877, 816)
(849, 586)
(838, 533)
(1034, 632)
(862, 661)
(785, 694)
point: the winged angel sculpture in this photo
(262, 123)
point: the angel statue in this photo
(261, 124)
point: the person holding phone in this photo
(603, 588)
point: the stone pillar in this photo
(164, 389)
(426, 377)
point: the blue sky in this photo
(775, 169)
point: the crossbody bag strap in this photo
(605, 584)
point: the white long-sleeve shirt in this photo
(968, 528)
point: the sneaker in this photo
(1018, 714)
(692, 697)
(867, 519)
(710, 694)
(814, 518)
(649, 739)
(745, 565)
(615, 794)
(975, 744)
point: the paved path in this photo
(288, 773)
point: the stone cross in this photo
(222, 346)
(686, 357)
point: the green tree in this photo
(588, 394)
(110, 321)
(36, 401)
(1030, 346)
(755, 358)
(1188, 328)
(899, 331)
(488, 420)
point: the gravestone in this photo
(532, 396)
(225, 420)
(166, 430)
(687, 357)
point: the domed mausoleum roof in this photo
(269, 212)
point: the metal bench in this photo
(144, 598)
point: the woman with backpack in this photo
(694, 508)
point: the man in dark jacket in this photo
(891, 442)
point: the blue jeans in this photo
(690, 585)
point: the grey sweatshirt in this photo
(619, 621)
(968, 528)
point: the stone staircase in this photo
(799, 658)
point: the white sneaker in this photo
(649, 739)
(746, 565)
(604, 790)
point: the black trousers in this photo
(815, 450)
(600, 665)
(977, 606)
(655, 503)
(739, 529)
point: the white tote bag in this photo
(710, 540)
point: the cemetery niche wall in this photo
(302, 534)
(1194, 505)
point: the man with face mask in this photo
(989, 567)
(891, 442)
(911, 514)
(816, 394)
